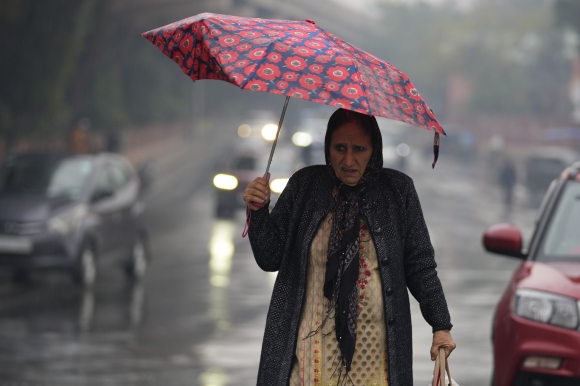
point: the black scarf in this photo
(342, 265)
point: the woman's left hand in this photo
(442, 338)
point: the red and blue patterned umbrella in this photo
(297, 59)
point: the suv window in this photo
(51, 176)
(119, 176)
(104, 181)
(562, 238)
(112, 178)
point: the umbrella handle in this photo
(262, 204)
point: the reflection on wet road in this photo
(198, 317)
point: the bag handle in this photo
(441, 367)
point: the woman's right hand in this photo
(257, 191)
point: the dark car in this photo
(536, 328)
(77, 213)
(542, 166)
(243, 167)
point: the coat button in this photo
(391, 321)
(389, 291)
(377, 230)
(385, 261)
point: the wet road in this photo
(198, 317)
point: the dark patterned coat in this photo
(281, 242)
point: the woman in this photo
(348, 239)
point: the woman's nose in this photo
(349, 157)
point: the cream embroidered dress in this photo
(318, 355)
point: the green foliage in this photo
(568, 13)
(32, 70)
(509, 50)
(64, 60)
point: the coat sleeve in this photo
(421, 276)
(269, 232)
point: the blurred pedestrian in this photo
(507, 180)
(113, 140)
(347, 239)
(79, 139)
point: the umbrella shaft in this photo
(277, 134)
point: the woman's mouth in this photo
(349, 171)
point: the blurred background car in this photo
(77, 213)
(536, 328)
(396, 150)
(257, 127)
(542, 166)
(308, 136)
(243, 167)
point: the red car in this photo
(536, 328)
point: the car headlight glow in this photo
(244, 131)
(403, 150)
(269, 131)
(225, 182)
(278, 185)
(546, 308)
(542, 362)
(67, 221)
(302, 139)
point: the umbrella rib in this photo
(253, 74)
(365, 87)
(355, 61)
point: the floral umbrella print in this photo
(296, 59)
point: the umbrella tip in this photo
(309, 21)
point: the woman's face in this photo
(350, 151)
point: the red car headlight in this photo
(546, 308)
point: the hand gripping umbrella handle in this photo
(261, 204)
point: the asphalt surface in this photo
(198, 317)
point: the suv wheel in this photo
(85, 272)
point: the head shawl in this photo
(342, 265)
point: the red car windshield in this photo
(562, 239)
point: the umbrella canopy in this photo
(293, 58)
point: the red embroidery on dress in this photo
(362, 263)
(362, 283)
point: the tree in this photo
(40, 43)
(509, 50)
(568, 13)
(64, 60)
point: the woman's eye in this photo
(339, 147)
(359, 148)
